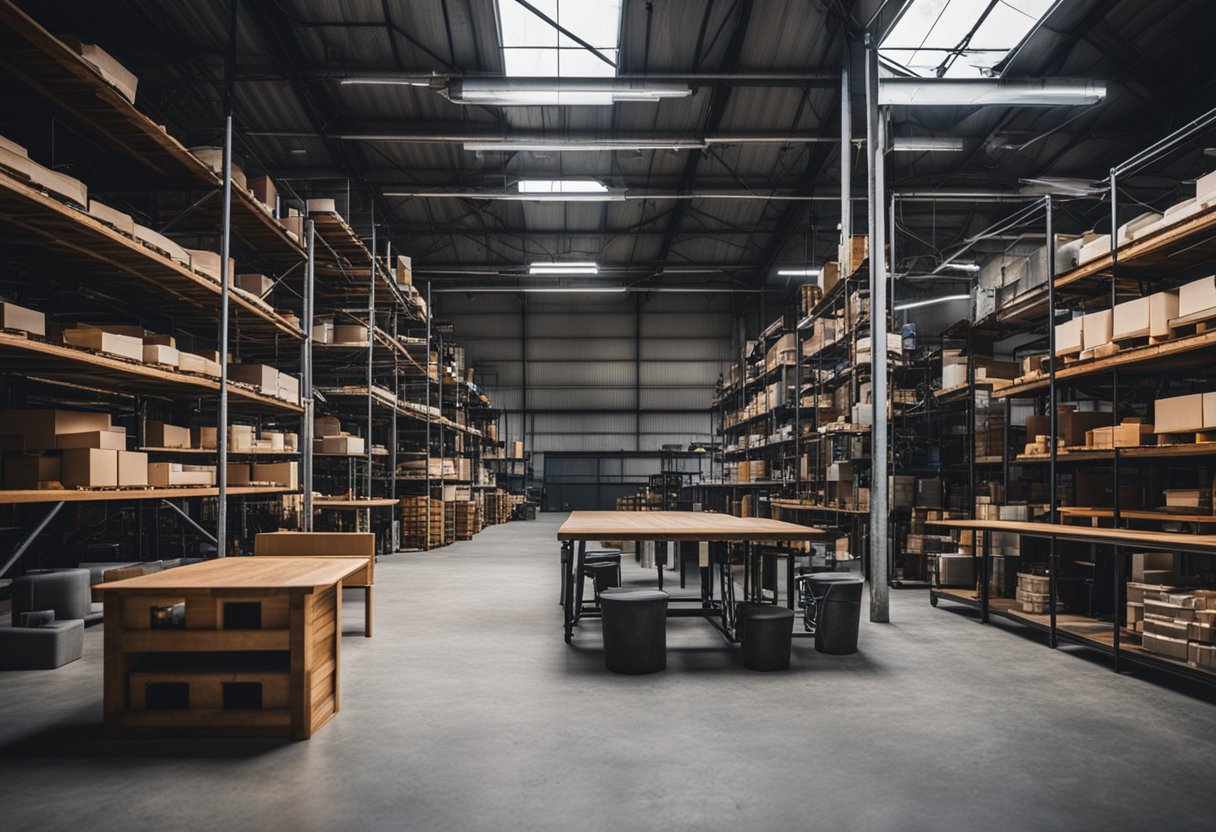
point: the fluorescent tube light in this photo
(799, 272)
(956, 92)
(969, 268)
(919, 144)
(563, 268)
(930, 302)
(541, 92)
(561, 186)
(606, 195)
(560, 146)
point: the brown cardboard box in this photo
(350, 445)
(321, 206)
(160, 354)
(162, 435)
(1172, 647)
(404, 272)
(1096, 329)
(203, 436)
(89, 468)
(1146, 316)
(239, 473)
(40, 428)
(517, 450)
(323, 329)
(57, 184)
(114, 439)
(191, 363)
(1197, 297)
(350, 334)
(263, 378)
(1181, 414)
(258, 285)
(174, 473)
(1126, 435)
(26, 471)
(327, 426)
(283, 473)
(132, 468)
(289, 388)
(294, 226)
(264, 191)
(114, 73)
(240, 438)
(208, 263)
(22, 319)
(159, 242)
(1069, 337)
(276, 439)
(112, 217)
(213, 157)
(108, 342)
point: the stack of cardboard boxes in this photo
(331, 439)
(65, 448)
(1175, 622)
(266, 380)
(421, 522)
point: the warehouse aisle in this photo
(468, 712)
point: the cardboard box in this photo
(323, 329)
(1096, 329)
(1132, 319)
(327, 426)
(114, 73)
(132, 468)
(40, 429)
(1182, 414)
(174, 473)
(350, 334)
(404, 271)
(162, 435)
(213, 157)
(162, 355)
(58, 185)
(321, 206)
(1069, 337)
(190, 363)
(955, 569)
(240, 473)
(208, 263)
(350, 445)
(112, 217)
(517, 450)
(258, 285)
(159, 242)
(28, 471)
(1093, 249)
(264, 378)
(264, 191)
(1172, 647)
(1205, 187)
(22, 319)
(114, 439)
(1197, 297)
(289, 388)
(240, 438)
(1125, 435)
(1135, 228)
(283, 473)
(110, 343)
(89, 468)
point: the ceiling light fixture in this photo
(542, 92)
(561, 186)
(958, 92)
(560, 146)
(606, 195)
(969, 268)
(563, 268)
(799, 272)
(916, 304)
(925, 144)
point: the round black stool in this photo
(839, 612)
(635, 630)
(767, 632)
(590, 558)
(604, 574)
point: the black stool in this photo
(605, 574)
(635, 630)
(588, 570)
(839, 612)
(767, 632)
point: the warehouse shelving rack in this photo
(1162, 258)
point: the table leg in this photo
(660, 559)
(789, 578)
(567, 590)
(579, 581)
(680, 559)
(367, 612)
(985, 564)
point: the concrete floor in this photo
(468, 712)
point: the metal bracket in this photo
(190, 520)
(187, 212)
(29, 539)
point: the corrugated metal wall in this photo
(596, 372)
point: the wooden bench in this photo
(327, 544)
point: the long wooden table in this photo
(253, 650)
(662, 527)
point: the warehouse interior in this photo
(848, 361)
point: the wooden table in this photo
(662, 527)
(253, 650)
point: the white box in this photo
(161, 354)
(1197, 297)
(1094, 249)
(1096, 329)
(1068, 337)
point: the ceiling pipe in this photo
(758, 78)
(576, 140)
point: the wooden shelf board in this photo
(212, 452)
(57, 362)
(120, 494)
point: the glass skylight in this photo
(561, 186)
(533, 47)
(960, 38)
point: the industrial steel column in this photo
(371, 350)
(307, 425)
(846, 151)
(426, 414)
(221, 425)
(879, 504)
(392, 429)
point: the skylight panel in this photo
(534, 47)
(960, 38)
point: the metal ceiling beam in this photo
(461, 134)
(426, 78)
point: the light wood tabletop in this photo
(238, 573)
(680, 525)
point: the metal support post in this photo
(308, 419)
(1053, 503)
(221, 426)
(189, 520)
(371, 351)
(427, 413)
(394, 440)
(879, 505)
